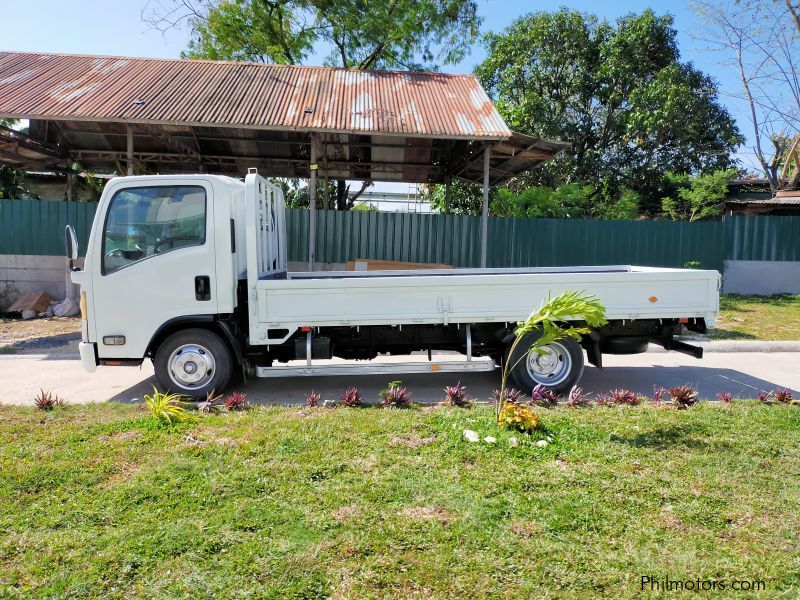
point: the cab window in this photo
(145, 222)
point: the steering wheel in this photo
(172, 240)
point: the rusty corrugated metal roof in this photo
(248, 95)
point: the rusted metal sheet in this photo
(276, 97)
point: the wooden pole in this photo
(312, 205)
(130, 149)
(447, 196)
(487, 153)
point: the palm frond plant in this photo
(167, 408)
(552, 320)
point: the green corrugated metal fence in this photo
(37, 226)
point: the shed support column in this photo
(487, 153)
(130, 149)
(312, 204)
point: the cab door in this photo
(155, 262)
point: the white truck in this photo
(190, 271)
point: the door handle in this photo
(202, 288)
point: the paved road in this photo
(741, 373)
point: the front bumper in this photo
(88, 356)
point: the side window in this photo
(148, 221)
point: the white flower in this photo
(489, 439)
(549, 438)
(513, 442)
(471, 436)
(541, 443)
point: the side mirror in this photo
(71, 242)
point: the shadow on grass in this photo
(730, 334)
(663, 438)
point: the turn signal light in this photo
(653, 299)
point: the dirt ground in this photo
(36, 335)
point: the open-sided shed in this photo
(167, 116)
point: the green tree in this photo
(618, 92)
(698, 197)
(395, 34)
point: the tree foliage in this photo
(698, 197)
(567, 201)
(618, 92)
(403, 34)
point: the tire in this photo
(193, 362)
(624, 345)
(558, 370)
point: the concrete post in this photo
(487, 154)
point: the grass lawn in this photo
(758, 318)
(308, 503)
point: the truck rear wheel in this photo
(559, 368)
(193, 362)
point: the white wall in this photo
(761, 277)
(25, 274)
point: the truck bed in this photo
(353, 298)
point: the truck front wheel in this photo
(558, 368)
(193, 362)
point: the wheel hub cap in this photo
(552, 366)
(191, 366)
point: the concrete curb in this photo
(738, 346)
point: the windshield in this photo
(148, 221)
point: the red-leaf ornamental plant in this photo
(725, 397)
(351, 398)
(764, 397)
(578, 398)
(512, 395)
(622, 396)
(237, 401)
(683, 396)
(395, 396)
(313, 399)
(47, 400)
(784, 396)
(546, 398)
(456, 395)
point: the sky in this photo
(115, 27)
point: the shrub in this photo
(625, 397)
(683, 396)
(725, 397)
(577, 398)
(167, 408)
(603, 400)
(544, 397)
(47, 400)
(658, 395)
(237, 401)
(395, 396)
(519, 418)
(784, 396)
(619, 396)
(211, 404)
(456, 395)
(512, 395)
(764, 397)
(351, 398)
(313, 399)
